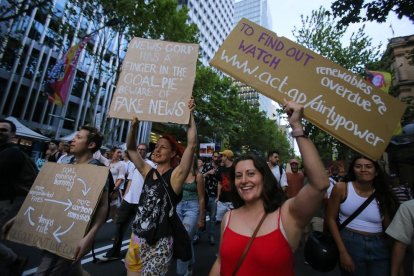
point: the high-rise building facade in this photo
(256, 11)
(31, 45)
(214, 20)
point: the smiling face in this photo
(248, 181)
(163, 152)
(364, 170)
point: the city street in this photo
(205, 256)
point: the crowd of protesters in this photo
(261, 206)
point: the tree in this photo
(222, 118)
(378, 10)
(320, 33)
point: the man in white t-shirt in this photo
(278, 171)
(128, 208)
(401, 229)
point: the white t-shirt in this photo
(282, 180)
(137, 181)
(129, 169)
(118, 170)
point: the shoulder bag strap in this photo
(165, 186)
(243, 256)
(357, 211)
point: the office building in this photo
(31, 45)
(214, 20)
(256, 11)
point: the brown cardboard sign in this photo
(59, 207)
(156, 81)
(335, 99)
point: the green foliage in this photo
(321, 33)
(156, 19)
(349, 11)
(222, 117)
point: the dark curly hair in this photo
(272, 195)
(384, 195)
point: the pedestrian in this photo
(261, 208)
(224, 202)
(362, 245)
(151, 248)
(295, 179)
(53, 154)
(117, 168)
(66, 156)
(401, 230)
(86, 141)
(16, 178)
(191, 211)
(334, 177)
(211, 175)
(128, 208)
(276, 168)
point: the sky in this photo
(286, 15)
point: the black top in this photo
(225, 178)
(11, 165)
(211, 180)
(152, 219)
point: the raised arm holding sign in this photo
(152, 230)
(335, 99)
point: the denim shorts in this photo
(370, 253)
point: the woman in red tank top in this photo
(255, 192)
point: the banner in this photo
(62, 74)
(336, 100)
(156, 81)
(59, 207)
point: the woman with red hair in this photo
(151, 247)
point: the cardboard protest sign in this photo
(59, 207)
(156, 81)
(335, 99)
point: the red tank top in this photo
(269, 254)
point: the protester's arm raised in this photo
(135, 157)
(181, 171)
(300, 209)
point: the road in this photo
(205, 256)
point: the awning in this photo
(23, 131)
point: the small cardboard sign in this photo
(335, 99)
(59, 207)
(156, 81)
